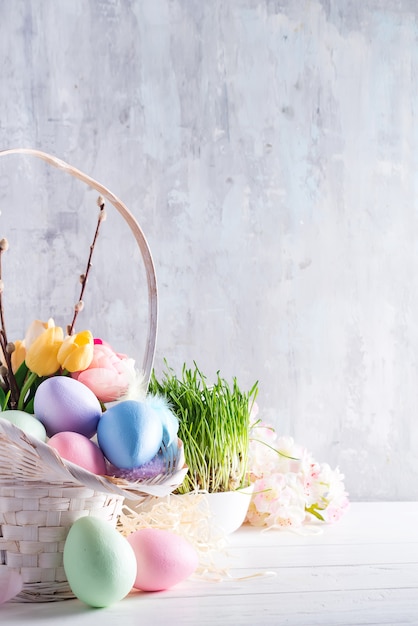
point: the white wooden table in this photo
(363, 570)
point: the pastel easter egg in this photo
(79, 450)
(163, 558)
(129, 434)
(99, 562)
(62, 403)
(26, 422)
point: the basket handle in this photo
(137, 233)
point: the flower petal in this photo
(106, 384)
(41, 356)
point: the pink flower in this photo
(290, 487)
(336, 510)
(328, 495)
(109, 373)
(277, 501)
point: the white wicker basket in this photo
(41, 494)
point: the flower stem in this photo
(279, 452)
(313, 510)
(26, 386)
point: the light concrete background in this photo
(269, 150)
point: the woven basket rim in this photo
(25, 459)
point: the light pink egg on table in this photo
(79, 450)
(163, 558)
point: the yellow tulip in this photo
(36, 329)
(76, 351)
(18, 355)
(41, 355)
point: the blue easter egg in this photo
(130, 434)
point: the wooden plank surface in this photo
(361, 571)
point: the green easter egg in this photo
(26, 422)
(99, 563)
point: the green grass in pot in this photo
(214, 425)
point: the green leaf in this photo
(29, 407)
(23, 397)
(21, 374)
(313, 510)
(2, 399)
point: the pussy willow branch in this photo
(14, 390)
(83, 278)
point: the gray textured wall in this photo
(268, 149)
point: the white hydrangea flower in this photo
(289, 485)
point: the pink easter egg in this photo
(163, 558)
(79, 450)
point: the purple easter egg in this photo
(64, 404)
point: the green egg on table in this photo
(99, 563)
(26, 422)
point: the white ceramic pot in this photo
(229, 508)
